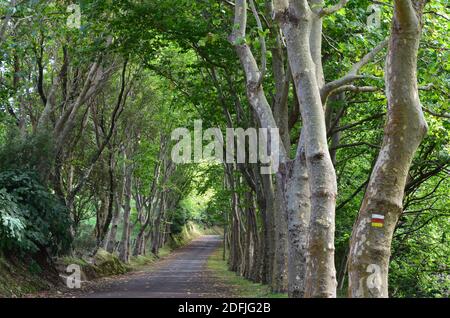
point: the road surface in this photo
(183, 274)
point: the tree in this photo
(404, 130)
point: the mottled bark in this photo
(370, 245)
(298, 214)
(297, 22)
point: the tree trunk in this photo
(156, 229)
(298, 214)
(280, 275)
(111, 201)
(296, 20)
(262, 109)
(370, 245)
(266, 241)
(125, 242)
(144, 219)
(112, 237)
(6, 21)
(102, 214)
(256, 252)
(269, 229)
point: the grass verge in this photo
(239, 286)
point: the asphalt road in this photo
(183, 274)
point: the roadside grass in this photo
(146, 262)
(239, 286)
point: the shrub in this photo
(31, 218)
(30, 153)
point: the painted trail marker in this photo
(377, 220)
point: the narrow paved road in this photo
(182, 274)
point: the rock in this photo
(107, 264)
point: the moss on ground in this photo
(18, 279)
(103, 264)
(108, 264)
(239, 286)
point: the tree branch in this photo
(356, 89)
(353, 73)
(376, 116)
(368, 57)
(438, 14)
(232, 4)
(116, 113)
(429, 111)
(405, 12)
(356, 144)
(262, 41)
(330, 10)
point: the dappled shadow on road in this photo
(183, 274)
